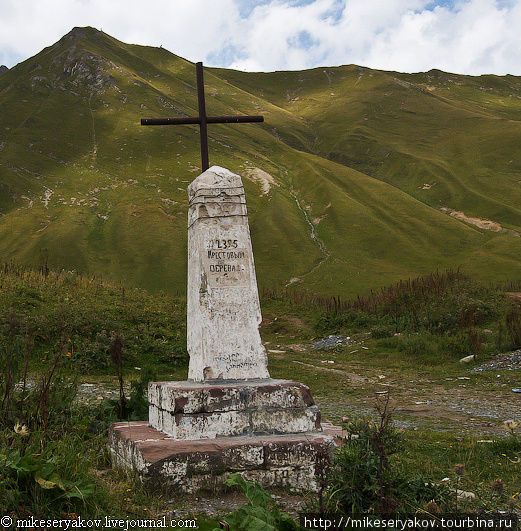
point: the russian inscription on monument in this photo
(223, 313)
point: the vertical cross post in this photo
(203, 130)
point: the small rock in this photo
(464, 495)
(467, 359)
(463, 378)
(487, 331)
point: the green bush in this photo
(364, 481)
(420, 306)
(382, 331)
(335, 322)
(261, 513)
(418, 346)
(56, 306)
(46, 480)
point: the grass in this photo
(350, 156)
(42, 309)
(85, 312)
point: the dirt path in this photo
(466, 402)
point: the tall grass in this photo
(88, 311)
(383, 300)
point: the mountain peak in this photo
(79, 33)
(3, 69)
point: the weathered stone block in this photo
(228, 395)
(289, 420)
(188, 466)
(202, 410)
(200, 426)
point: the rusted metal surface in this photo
(203, 131)
(202, 120)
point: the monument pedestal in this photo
(228, 408)
(200, 432)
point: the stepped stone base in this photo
(229, 408)
(289, 460)
(200, 432)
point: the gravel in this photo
(509, 362)
(330, 342)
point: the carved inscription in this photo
(225, 264)
(235, 361)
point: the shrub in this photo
(363, 479)
(513, 325)
(418, 346)
(333, 322)
(439, 304)
(261, 513)
(382, 331)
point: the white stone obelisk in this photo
(223, 313)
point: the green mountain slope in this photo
(448, 140)
(344, 180)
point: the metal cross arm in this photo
(196, 120)
(202, 120)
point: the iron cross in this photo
(202, 119)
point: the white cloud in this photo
(465, 36)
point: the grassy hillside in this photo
(344, 180)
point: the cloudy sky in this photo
(464, 36)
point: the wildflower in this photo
(432, 507)
(20, 429)
(497, 486)
(510, 425)
(459, 469)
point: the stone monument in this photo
(223, 303)
(229, 415)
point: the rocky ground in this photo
(474, 399)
